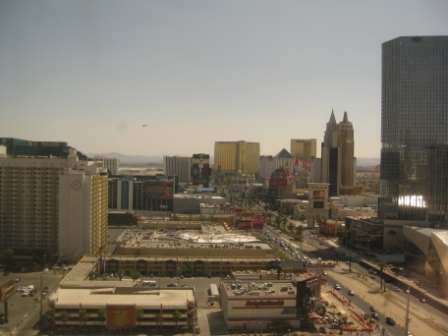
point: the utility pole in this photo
(406, 325)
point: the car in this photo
(372, 277)
(373, 309)
(396, 289)
(25, 293)
(172, 284)
(351, 292)
(375, 316)
(372, 271)
(17, 280)
(45, 289)
(324, 273)
(184, 285)
(337, 287)
(407, 291)
(390, 321)
(422, 300)
(209, 276)
(388, 280)
(111, 275)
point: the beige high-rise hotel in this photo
(53, 205)
(234, 156)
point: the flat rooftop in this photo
(257, 288)
(69, 297)
(184, 235)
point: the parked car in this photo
(172, 284)
(390, 321)
(375, 316)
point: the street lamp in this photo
(41, 297)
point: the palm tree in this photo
(83, 316)
(349, 257)
(343, 236)
(63, 314)
(336, 255)
(298, 235)
(102, 314)
(176, 316)
(139, 314)
(159, 319)
(382, 265)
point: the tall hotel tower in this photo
(53, 205)
(234, 156)
(338, 155)
(414, 130)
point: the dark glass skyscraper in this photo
(414, 130)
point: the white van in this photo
(149, 283)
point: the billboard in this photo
(257, 224)
(119, 316)
(161, 190)
(6, 290)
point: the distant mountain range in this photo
(142, 159)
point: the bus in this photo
(213, 294)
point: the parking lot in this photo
(24, 310)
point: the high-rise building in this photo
(338, 155)
(304, 149)
(53, 205)
(179, 166)
(237, 156)
(268, 164)
(414, 130)
(111, 164)
(200, 169)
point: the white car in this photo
(337, 287)
(351, 292)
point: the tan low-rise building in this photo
(262, 305)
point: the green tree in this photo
(83, 316)
(159, 319)
(336, 252)
(102, 314)
(290, 226)
(136, 275)
(176, 316)
(139, 314)
(120, 274)
(382, 265)
(298, 235)
(63, 314)
(343, 237)
(349, 257)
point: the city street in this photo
(24, 311)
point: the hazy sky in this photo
(91, 73)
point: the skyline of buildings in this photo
(414, 130)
